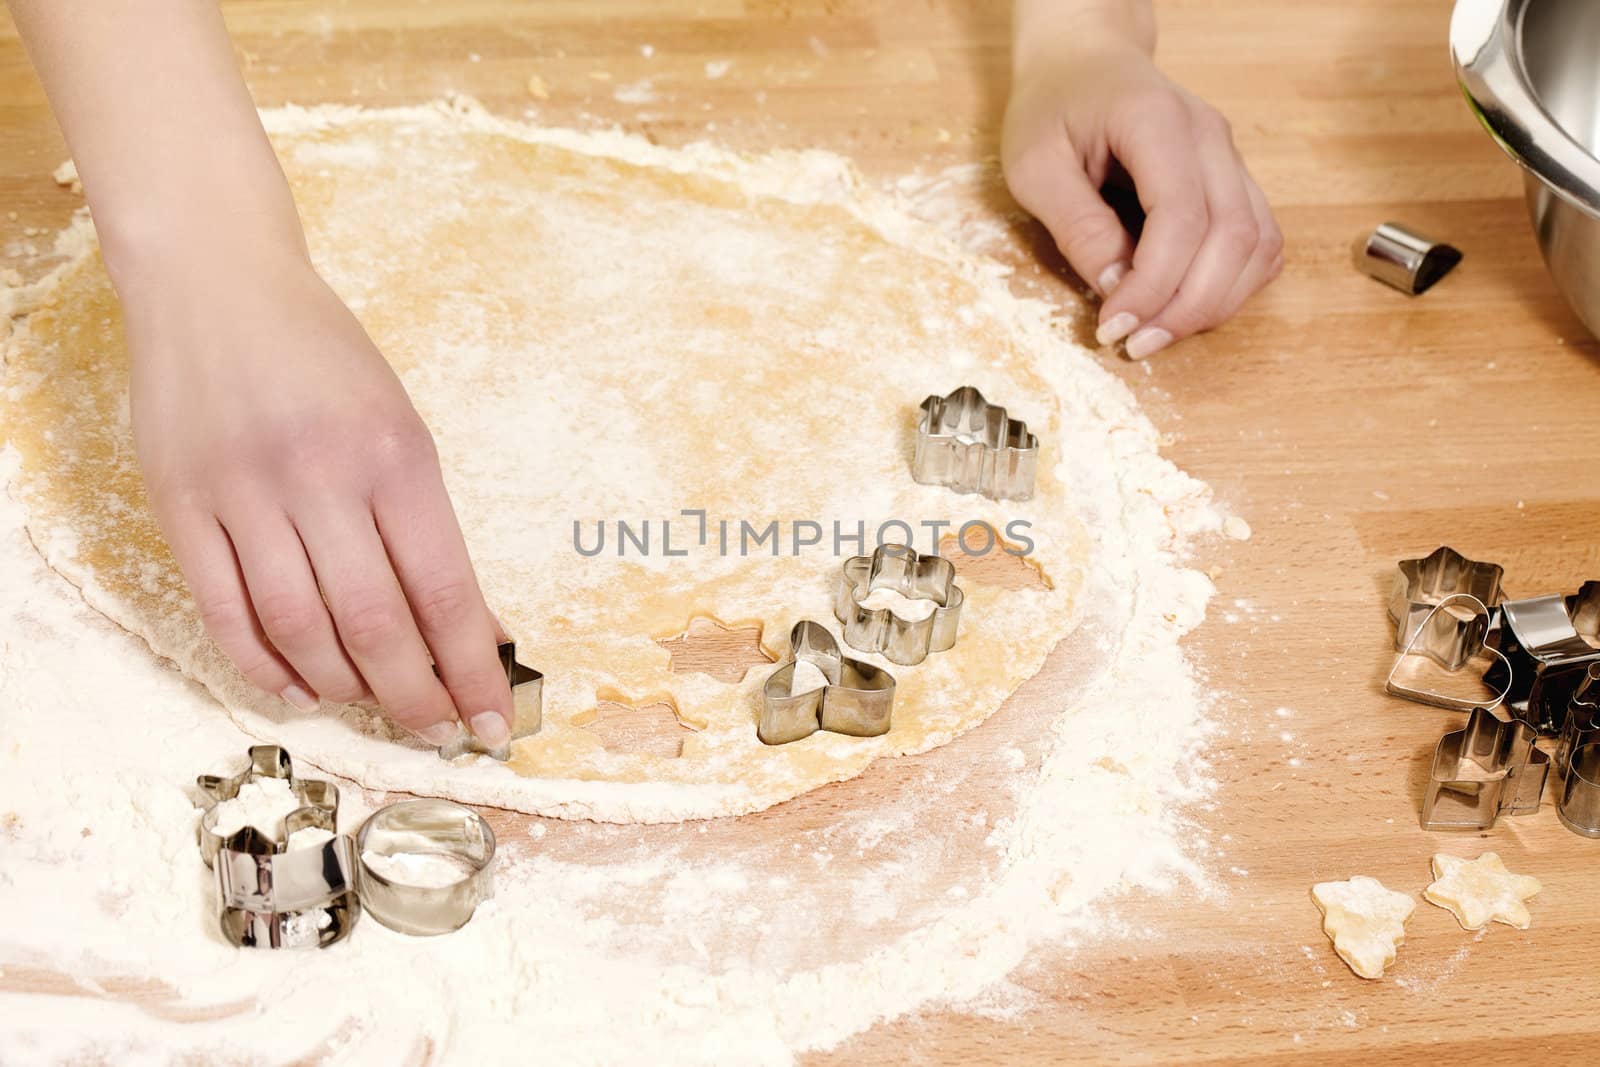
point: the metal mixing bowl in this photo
(1531, 70)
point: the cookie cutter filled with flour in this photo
(1487, 769)
(527, 705)
(856, 699)
(272, 894)
(899, 569)
(972, 446)
(1547, 644)
(1421, 584)
(425, 865)
(1445, 636)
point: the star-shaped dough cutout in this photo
(1481, 891)
(1365, 920)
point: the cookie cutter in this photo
(1491, 767)
(428, 828)
(273, 895)
(918, 577)
(857, 699)
(1582, 725)
(972, 446)
(1421, 583)
(1404, 259)
(1547, 644)
(1440, 634)
(527, 705)
(1578, 806)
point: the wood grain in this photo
(1351, 425)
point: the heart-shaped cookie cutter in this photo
(917, 577)
(1440, 634)
(857, 699)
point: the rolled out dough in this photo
(597, 329)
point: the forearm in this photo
(1056, 27)
(174, 162)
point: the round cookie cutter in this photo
(426, 828)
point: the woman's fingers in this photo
(206, 555)
(374, 621)
(289, 605)
(1154, 142)
(424, 542)
(1267, 262)
(1232, 236)
(1050, 182)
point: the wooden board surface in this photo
(1351, 425)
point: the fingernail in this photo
(1111, 276)
(1116, 328)
(440, 733)
(301, 699)
(1148, 342)
(490, 728)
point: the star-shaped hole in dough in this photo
(1365, 920)
(1481, 891)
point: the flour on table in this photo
(720, 954)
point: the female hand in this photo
(1209, 240)
(301, 495)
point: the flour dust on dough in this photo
(597, 329)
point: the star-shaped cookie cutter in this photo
(1547, 643)
(918, 577)
(857, 699)
(1422, 584)
(972, 446)
(1489, 768)
(527, 705)
(273, 895)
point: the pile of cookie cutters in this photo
(1539, 656)
(963, 443)
(273, 894)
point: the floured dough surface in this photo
(1365, 920)
(598, 330)
(1478, 892)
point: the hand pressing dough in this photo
(1481, 891)
(596, 328)
(1365, 920)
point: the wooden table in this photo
(1351, 425)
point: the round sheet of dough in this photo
(601, 331)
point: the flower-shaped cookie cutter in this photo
(274, 895)
(1488, 769)
(1419, 587)
(527, 706)
(857, 699)
(903, 570)
(972, 446)
(1547, 643)
(1438, 636)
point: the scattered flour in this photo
(425, 870)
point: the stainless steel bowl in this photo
(1531, 70)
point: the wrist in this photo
(1053, 31)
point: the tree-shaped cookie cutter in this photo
(273, 895)
(1488, 769)
(1547, 644)
(1422, 584)
(912, 575)
(857, 699)
(527, 705)
(972, 446)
